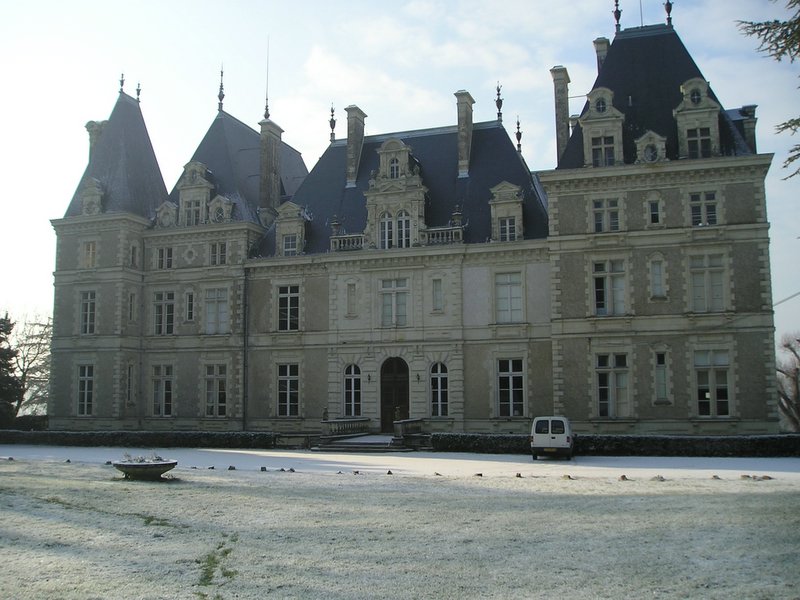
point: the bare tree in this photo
(789, 380)
(32, 364)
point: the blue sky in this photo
(400, 62)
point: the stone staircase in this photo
(361, 444)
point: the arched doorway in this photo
(394, 392)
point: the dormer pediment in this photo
(651, 148)
(289, 210)
(92, 197)
(696, 97)
(506, 192)
(219, 209)
(194, 175)
(167, 214)
(601, 106)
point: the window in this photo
(387, 231)
(288, 390)
(129, 385)
(394, 298)
(657, 289)
(609, 287)
(437, 300)
(703, 207)
(438, 390)
(352, 299)
(290, 245)
(403, 230)
(508, 229)
(216, 390)
(612, 385)
(352, 391)
(654, 212)
(162, 390)
(134, 256)
(508, 297)
(509, 384)
(394, 169)
(217, 315)
(164, 312)
(289, 308)
(192, 212)
(131, 307)
(711, 375)
(660, 378)
(699, 141)
(606, 215)
(87, 313)
(85, 390)
(89, 255)
(164, 258)
(600, 105)
(218, 253)
(190, 306)
(707, 276)
(603, 151)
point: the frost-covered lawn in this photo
(432, 529)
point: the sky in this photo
(400, 62)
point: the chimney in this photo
(464, 102)
(601, 48)
(561, 90)
(355, 140)
(269, 189)
(748, 113)
(95, 129)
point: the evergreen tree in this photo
(9, 385)
(781, 40)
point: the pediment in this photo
(289, 210)
(167, 214)
(505, 192)
(194, 175)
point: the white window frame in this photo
(707, 278)
(511, 387)
(386, 224)
(403, 229)
(713, 383)
(394, 295)
(606, 215)
(289, 307)
(216, 388)
(164, 258)
(352, 391)
(509, 302)
(290, 244)
(88, 308)
(439, 390)
(609, 287)
(85, 407)
(612, 381)
(192, 212)
(602, 151)
(163, 385)
(657, 271)
(698, 142)
(89, 254)
(164, 313)
(217, 311)
(219, 253)
(288, 390)
(189, 300)
(508, 229)
(704, 209)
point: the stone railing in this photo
(353, 241)
(441, 235)
(345, 426)
(407, 427)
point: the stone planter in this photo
(152, 470)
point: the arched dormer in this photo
(395, 160)
(697, 118)
(167, 214)
(219, 210)
(651, 148)
(506, 207)
(602, 130)
(290, 230)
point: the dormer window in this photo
(695, 96)
(394, 169)
(192, 212)
(698, 141)
(600, 105)
(602, 130)
(603, 151)
(403, 229)
(387, 231)
(697, 118)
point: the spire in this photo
(221, 94)
(138, 91)
(332, 123)
(499, 103)
(121, 82)
(518, 135)
(266, 95)
(617, 14)
(668, 8)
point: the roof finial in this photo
(121, 82)
(617, 13)
(499, 103)
(221, 94)
(138, 91)
(519, 137)
(668, 8)
(266, 96)
(332, 123)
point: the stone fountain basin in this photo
(144, 470)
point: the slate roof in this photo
(231, 152)
(124, 163)
(493, 159)
(648, 65)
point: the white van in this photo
(551, 436)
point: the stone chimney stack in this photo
(561, 90)
(749, 123)
(269, 189)
(601, 48)
(464, 102)
(355, 141)
(95, 129)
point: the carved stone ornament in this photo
(167, 214)
(92, 197)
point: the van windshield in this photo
(557, 426)
(542, 426)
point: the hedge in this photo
(146, 439)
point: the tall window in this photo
(437, 300)
(134, 256)
(403, 230)
(288, 390)
(164, 313)
(711, 375)
(162, 390)
(603, 151)
(394, 169)
(387, 231)
(129, 385)
(612, 385)
(508, 297)
(131, 307)
(87, 313)
(289, 308)
(352, 299)
(609, 287)
(89, 255)
(164, 258)
(394, 299)
(606, 215)
(217, 315)
(508, 229)
(216, 390)
(703, 207)
(707, 273)
(352, 391)
(511, 397)
(654, 212)
(290, 245)
(657, 289)
(85, 390)
(190, 306)
(661, 378)
(192, 214)
(219, 251)
(439, 390)
(699, 141)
